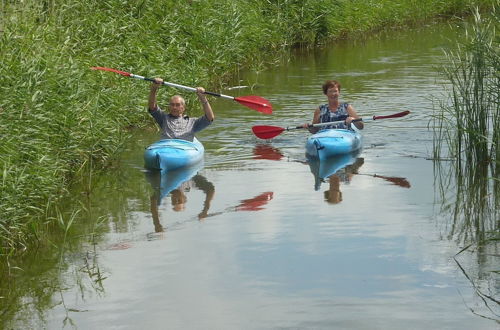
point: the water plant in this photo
(466, 132)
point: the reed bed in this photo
(59, 121)
(467, 124)
(467, 132)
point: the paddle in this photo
(253, 102)
(268, 132)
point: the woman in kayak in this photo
(174, 124)
(334, 110)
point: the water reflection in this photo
(266, 151)
(402, 182)
(333, 166)
(340, 170)
(469, 200)
(336, 170)
(176, 184)
(256, 203)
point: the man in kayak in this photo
(334, 110)
(174, 124)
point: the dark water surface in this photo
(260, 243)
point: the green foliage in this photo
(468, 125)
(467, 131)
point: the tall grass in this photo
(467, 132)
(467, 125)
(60, 121)
(470, 123)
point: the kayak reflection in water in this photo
(178, 195)
(333, 195)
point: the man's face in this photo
(176, 106)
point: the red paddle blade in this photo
(255, 102)
(123, 73)
(267, 132)
(396, 115)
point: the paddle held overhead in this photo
(253, 102)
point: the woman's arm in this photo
(353, 115)
(314, 121)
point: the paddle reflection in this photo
(342, 169)
(266, 151)
(256, 203)
(402, 182)
(175, 184)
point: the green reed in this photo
(467, 132)
(61, 122)
(468, 126)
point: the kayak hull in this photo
(333, 142)
(171, 154)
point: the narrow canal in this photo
(255, 240)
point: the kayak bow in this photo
(170, 154)
(333, 142)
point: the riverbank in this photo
(59, 120)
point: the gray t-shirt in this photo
(178, 127)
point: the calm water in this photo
(260, 242)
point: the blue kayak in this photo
(333, 142)
(170, 154)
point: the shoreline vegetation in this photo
(59, 120)
(467, 133)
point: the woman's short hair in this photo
(329, 84)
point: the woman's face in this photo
(333, 92)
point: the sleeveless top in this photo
(325, 115)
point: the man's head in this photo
(177, 106)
